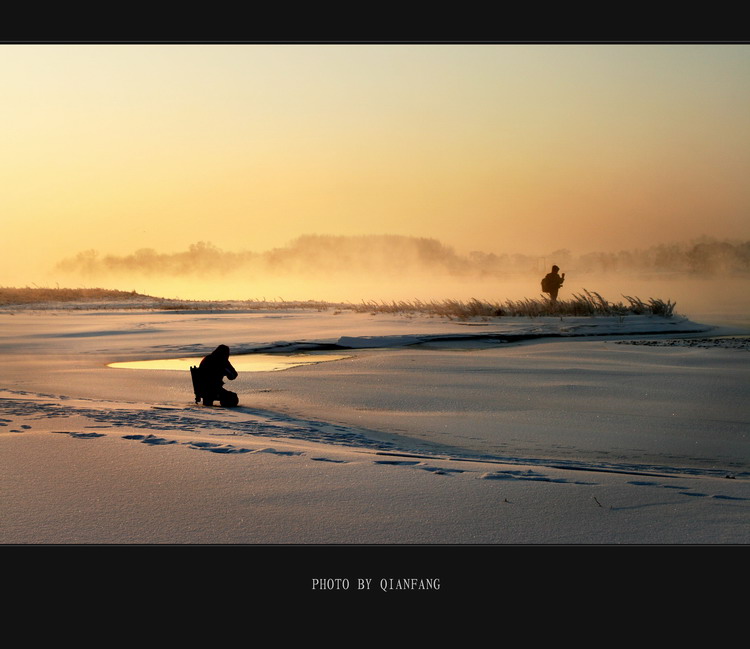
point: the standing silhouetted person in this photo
(552, 282)
(213, 368)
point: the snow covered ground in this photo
(432, 431)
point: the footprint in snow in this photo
(651, 483)
(217, 448)
(425, 467)
(441, 471)
(532, 476)
(397, 462)
(148, 439)
(273, 451)
(22, 429)
(685, 490)
(79, 435)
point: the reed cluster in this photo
(586, 304)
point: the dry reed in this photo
(587, 304)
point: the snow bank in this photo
(431, 432)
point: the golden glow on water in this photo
(242, 362)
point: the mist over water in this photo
(706, 278)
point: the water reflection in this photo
(241, 362)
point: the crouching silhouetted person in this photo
(552, 282)
(211, 372)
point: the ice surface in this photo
(558, 414)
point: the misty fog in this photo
(704, 277)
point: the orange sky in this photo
(499, 148)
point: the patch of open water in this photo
(241, 362)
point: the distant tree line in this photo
(703, 257)
(399, 255)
